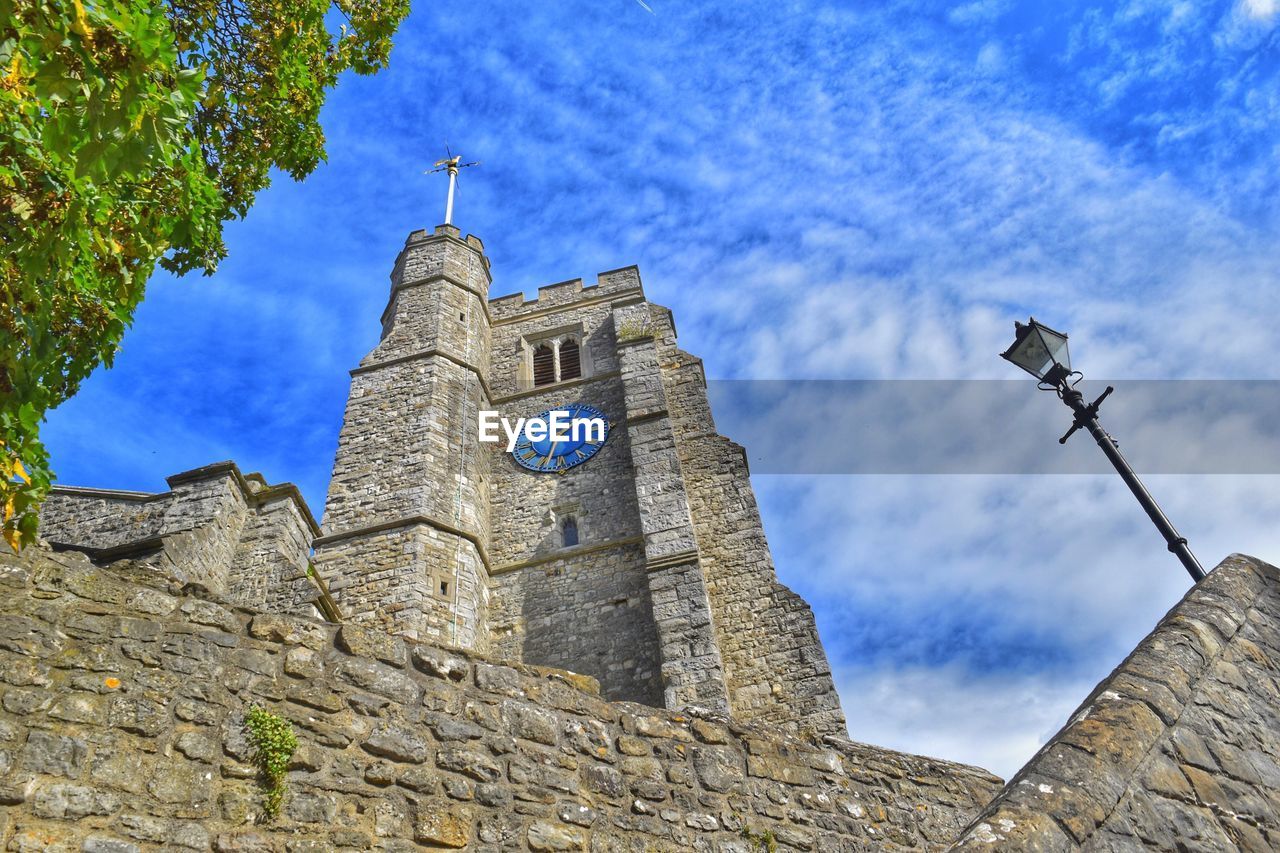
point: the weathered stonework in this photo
(649, 687)
(122, 703)
(406, 521)
(669, 597)
(230, 533)
(1179, 749)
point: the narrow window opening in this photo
(462, 317)
(444, 587)
(569, 532)
(544, 365)
(570, 360)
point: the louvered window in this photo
(544, 365)
(570, 362)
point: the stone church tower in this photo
(645, 567)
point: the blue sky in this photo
(820, 191)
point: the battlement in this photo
(427, 256)
(444, 231)
(563, 293)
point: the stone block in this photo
(469, 763)
(440, 663)
(363, 642)
(546, 836)
(442, 824)
(72, 802)
(397, 743)
(289, 631)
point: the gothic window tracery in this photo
(557, 360)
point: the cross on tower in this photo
(451, 165)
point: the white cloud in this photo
(1262, 10)
(993, 722)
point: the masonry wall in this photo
(269, 568)
(776, 670)
(1179, 748)
(412, 579)
(527, 507)
(407, 514)
(121, 706)
(692, 670)
(200, 521)
(585, 608)
(233, 535)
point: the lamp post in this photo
(1042, 352)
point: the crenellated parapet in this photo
(612, 284)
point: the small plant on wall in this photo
(760, 840)
(635, 328)
(273, 745)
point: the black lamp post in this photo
(1042, 352)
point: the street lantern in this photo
(1042, 352)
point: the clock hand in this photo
(550, 452)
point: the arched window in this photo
(569, 532)
(570, 362)
(544, 365)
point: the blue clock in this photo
(574, 433)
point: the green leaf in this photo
(119, 150)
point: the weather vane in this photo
(451, 165)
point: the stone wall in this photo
(122, 701)
(239, 538)
(269, 571)
(512, 338)
(610, 285)
(1179, 748)
(527, 507)
(407, 514)
(776, 670)
(587, 610)
(692, 670)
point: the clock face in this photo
(580, 439)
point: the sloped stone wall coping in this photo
(1127, 740)
(120, 494)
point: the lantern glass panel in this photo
(1056, 344)
(1038, 348)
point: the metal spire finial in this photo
(451, 165)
